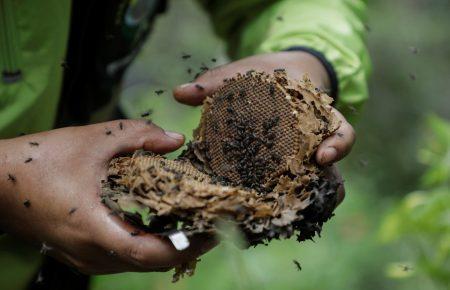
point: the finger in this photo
(195, 92)
(151, 251)
(338, 145)
(129, 135)
(146, 251)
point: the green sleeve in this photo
(33, 40)
(333, 27)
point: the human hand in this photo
(296, 64)
(50, 185)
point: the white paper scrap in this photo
(179, 240)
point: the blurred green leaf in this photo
(422, 219)
(436, 154)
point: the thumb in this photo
(122, 136)
(206, 84)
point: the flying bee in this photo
(185, 56)
(204, 67)
(72, 210)
(120, 125)
(28, 160)
(108, 132)
(405, 268)
(159, 92)
(213, 59)
(414, 50)
(147, 113)
(33, 143)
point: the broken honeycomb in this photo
(251, 161)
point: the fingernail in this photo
(185, 85)
(174, 135)
(328, 155)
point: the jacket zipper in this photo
(9, 48)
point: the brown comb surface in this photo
(257, 126)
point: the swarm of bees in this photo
(251, 162)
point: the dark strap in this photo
(104, 38)
(334, 83)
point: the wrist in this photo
(9, 178)
(324, 68)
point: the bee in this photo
(213, 59)
(27, 203)
(147, 113)
(72, 210)
(189, 70)
(353, 110)
(412, 76)
(33, 143)
(135, 233)
(406, 268)
(159, 92)
(272, 90)
(280, 18)
(185, 56)
(108, 132)
(279, 70)
(297, 265)
(249, 72)
(120, 125)
(340, 134)
(199, 87)
(12, 178)
(28, 160)
(204, 67)
(414, 50)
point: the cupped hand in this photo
(50, 184)
(296, 64)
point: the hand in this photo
(296, 64)
(50, 196)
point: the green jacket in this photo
(34, 39)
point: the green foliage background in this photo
(392, 231)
